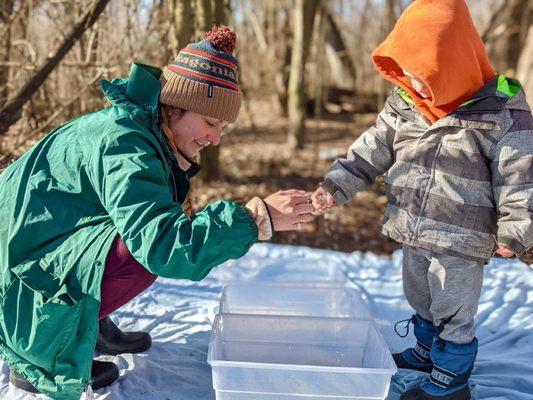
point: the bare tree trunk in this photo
(319, 81)
(12, 110)
(361, 38)
(204, 16)
(304, 16)
(283, 80)
(210, 157)
(182, 23)
(5, 49)
(384, 86)
(164, 19)
(506, 33)
(222, 12)
(525, 66)
(269, 23)
(336, 40)
(282, 74)
(520, 20)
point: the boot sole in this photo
(401, 363)
(419, 394)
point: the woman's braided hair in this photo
(187, 203)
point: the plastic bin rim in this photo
(223, 311)
(251, 284)
(333, 283)
(216, 323)
(266, 316)
(299, 367)
(214, 333)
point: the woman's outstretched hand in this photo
(322, 200)
(289, 209)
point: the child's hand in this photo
(506, 252)
(322, 200)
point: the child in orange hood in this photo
(436, 41)
(455, 142)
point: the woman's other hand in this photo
(322, 200)
(289, 209)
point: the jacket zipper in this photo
(426, 194)
(174, 187)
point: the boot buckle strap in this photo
(421, 352)
(441, 377)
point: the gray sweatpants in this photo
(443, 289)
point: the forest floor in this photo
(255, 161)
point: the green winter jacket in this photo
(62, 204)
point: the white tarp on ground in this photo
(179, 314)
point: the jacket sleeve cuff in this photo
(517, 247)
(338, 194)
(261, 216)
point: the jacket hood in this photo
(436, 41)
(138, 95)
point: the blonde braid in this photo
(187, 203)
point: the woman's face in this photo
(193, 132)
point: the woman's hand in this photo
(289, 209)
(505, 251)
(322, 200)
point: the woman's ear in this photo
(173, 112)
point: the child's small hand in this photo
(322, 200)
(506, 252)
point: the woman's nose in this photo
(215, 137)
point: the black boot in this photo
(20, 382)
(111, 340)
(103, 374)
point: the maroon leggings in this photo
(124, 278)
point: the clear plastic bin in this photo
(302, 272)
(296, 300)
(258, 357)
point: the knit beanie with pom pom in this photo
(203, 78)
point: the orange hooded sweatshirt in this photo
(436, 41)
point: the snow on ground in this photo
(179, 315)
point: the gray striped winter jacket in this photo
(460, 186)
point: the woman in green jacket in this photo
(98, 208)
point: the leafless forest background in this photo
(310, 88)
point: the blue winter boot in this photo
(452, 366)
(417, 357)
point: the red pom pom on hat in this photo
(222, 38)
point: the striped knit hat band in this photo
(204, 67)
(204, 78)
